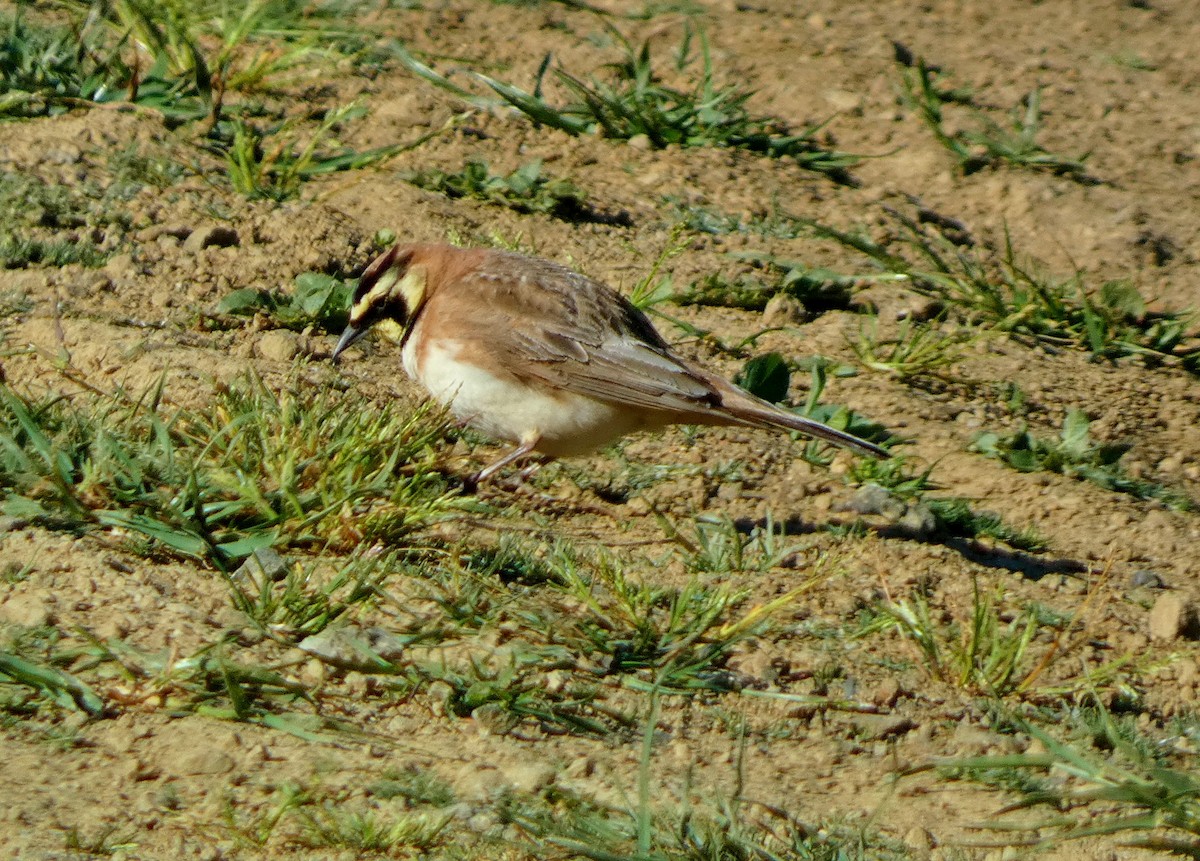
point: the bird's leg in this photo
(520, 479)
(525, 448)
(526, 473)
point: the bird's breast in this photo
(504, 406)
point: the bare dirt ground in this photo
(1118, 81)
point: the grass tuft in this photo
(274, 164)
(952, 516)
(332, 827)
(917, 350)
(817, 288)
(46, 70)
(990, 143)
(48, 223)
(996, 290)
(994, 651)
(632, 102)
(47, 681)
(568, 825)
(1107, 778)
(185, 59)
(252, 469)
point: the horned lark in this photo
(528, 351)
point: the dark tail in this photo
(753, 411)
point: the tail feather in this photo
(809, 427)
(747, 409)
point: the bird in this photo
(531, 352)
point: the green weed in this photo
(1106, 778)
(657, 286)
(1076, 455)
(979, 654)
(182, 59)
(953, 516)
(766, 376)
(957, 516)
(50, 69)
(997, 291)
(990, 143)
(836, 416)
(744, 291)
(917, 350)
(499, 697)
(997, 652)
(817, 288)
(569, 825)
(46, 682)
(560, 822)
(134, 168)
(305, 598)
(463, 596)
(256, 830)
(105, 842)
(700, 219)
(720, 547)
(274, 164)
(52, 223)
(621, 479)
(632, 102)
(1129, 59)
(681, 637)
(18, 253)
(417, 787)
(316, 819)
(332, 826)
(46, 70)
(526, 189)
(213, 682)
(316, 300)
(13, 303)
(584, 619)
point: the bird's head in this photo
(389, 294)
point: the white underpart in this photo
(564, 424)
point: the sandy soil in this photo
(170, 786)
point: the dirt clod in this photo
(1172, 617)
(210, 236)
(27, 610)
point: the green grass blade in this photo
(62, 687)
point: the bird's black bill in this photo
(349, 336)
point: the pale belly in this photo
(563, 423)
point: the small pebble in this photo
(918, 521)
(874, 499)
(784, 310)
(1146, 579)
(639, 506)
(262, 566)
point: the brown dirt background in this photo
(133, 319)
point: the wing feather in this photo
(549, 323)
